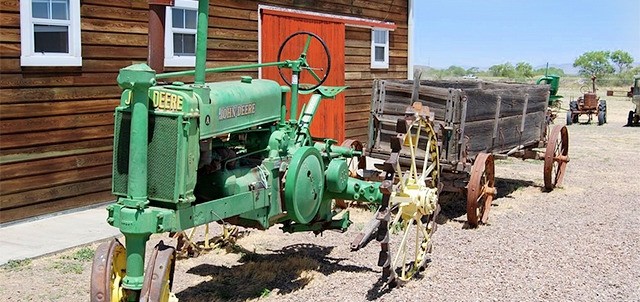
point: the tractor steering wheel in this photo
(304, 65)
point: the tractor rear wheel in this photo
(602, 118)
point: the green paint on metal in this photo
(201, 41)
(304, 185)
(238, 105)
(137, 78)
(336, 175)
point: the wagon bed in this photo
(472, 119)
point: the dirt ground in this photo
(576, 243)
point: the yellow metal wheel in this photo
(107, 272)
(415, 201)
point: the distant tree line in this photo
(520, 71)
(609, 67)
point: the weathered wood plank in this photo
(29, 110)
(357, 108)
(53, 80)
(22, 125)
(9, 50)
(108, 26)
(37, 152)
(480, 133)
(10, 20)
(54, 206)
(113, 13)
(55, 136)
(356, 132)
(110, 39)
(34, 182)
(27, 198)
(17, 95)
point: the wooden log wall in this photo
(56, 123)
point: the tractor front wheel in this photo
(107, 272)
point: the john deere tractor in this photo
(189, 154)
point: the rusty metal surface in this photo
(102, 270)
(590, 101)
(158, 276)
(556, 157)
(481, 190)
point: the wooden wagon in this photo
(476, 122)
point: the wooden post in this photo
(155, 57)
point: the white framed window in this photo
(379, 48)
(180, 34)
(50, 33)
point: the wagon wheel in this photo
(481, 190)
(107, 272)
(354, 164)
(321, 66)
(556, 157)
(158, 276)
(415, 207)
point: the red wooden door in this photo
(276, 27)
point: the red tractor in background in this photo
(590, 104)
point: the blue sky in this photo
(483, 33)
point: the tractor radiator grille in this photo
(162, 153)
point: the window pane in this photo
(60, 10)
(379, 55)
(178, 18)
(50, 38)
(190, 19)
(177, 44)
(189, 44)
(380, 36)
(40, 9)
(184, 44)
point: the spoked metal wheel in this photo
(158, 276)
(556, 157)
(415, 200)
(481, 190)
(108, 271)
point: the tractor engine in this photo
(196, 145)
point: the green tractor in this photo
(554, 84)
(186, 155)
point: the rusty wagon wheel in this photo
(481, 190)
(354, 164)
(158, 276)
(556, 157)
(107, 272)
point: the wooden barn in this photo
(59, 60)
